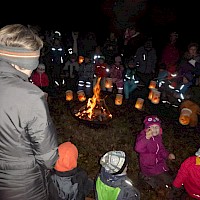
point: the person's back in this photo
(28, 137)
(113, 183)
(68, 181)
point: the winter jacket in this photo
(70, 185)
(28, 144)
(71, 69)
(152, 154)
(170, 57)
(41, 80)
(145, 60)
(116, 73)
(115, 187)
(189, 176)
(100, 70)
(86, 71)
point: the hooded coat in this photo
(152, 154)
(28, 144)
(188, 175)
(120, 182)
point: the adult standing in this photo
(28, 144)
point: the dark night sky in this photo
(86, 16)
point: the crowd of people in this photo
(75, 60)
(33, 166)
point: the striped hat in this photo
(114, 162)
(20, 56)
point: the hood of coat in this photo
(110, 179)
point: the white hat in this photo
(114, 162)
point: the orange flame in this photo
(96, 107)
(96, 97)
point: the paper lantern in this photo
(108, 83)
(152, 84)
(155, 97)
(81, 95)
(118, 99)
(139, 103)
(184, 117)
(69, 95)
(151, 93)
(80, 59)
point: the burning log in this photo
(96, 109)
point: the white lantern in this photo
(139, 103)
(152, 84)
(108, 83)
(155, 97)
(118, 99)
(81, 95)
(69, 95)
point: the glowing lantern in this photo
(184, 117)
(108, 83)
(152, 84)
(81, 95)
(80, 59)
(151, 93)
(155, 97)
(69, 95)
(139, 103)
(118, 99)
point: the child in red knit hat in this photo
(68, 181)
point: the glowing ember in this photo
(96, 108)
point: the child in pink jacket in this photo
(153, 154)
(188, 176)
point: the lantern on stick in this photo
(118, 99)
(69, 95)
(152, 84)
(81, 95)
(155, 97)
(184, 117)
(139, 103)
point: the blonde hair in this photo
(18, 35)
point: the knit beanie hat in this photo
(198, 153)
(114, 162)
(151, 120)
(68, 155)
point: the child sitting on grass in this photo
(112, 183)
(153, 154)
(68, 181)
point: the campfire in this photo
(95, 110)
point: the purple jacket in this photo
(152, 154)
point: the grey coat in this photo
(28, 138)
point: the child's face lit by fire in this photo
(155, 130)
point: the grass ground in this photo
(120, 133)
